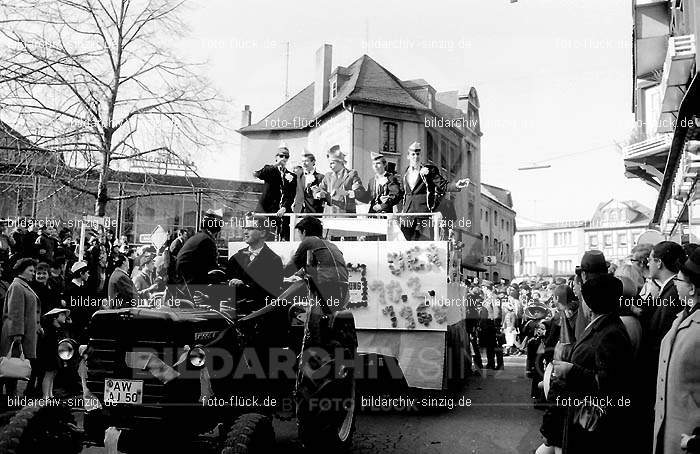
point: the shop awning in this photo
(471, 266)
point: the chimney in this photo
(323, 72)
(463, 102)
(246, 116)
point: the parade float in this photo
(404, 295)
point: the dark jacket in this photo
(390, 188)
(197, 257)
(82, 304)
(121, 290)
(602, 360)
(428, 192)
(304, 201)
(328, 272)
(278, 191)
(262, 277)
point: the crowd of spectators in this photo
(48, 294)
(612, 351)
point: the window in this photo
(470, 210)
(503, 224)
(527, 240)
(530, 268)
(622, 239)
(486, 244)
(389, 138)
(482, 215)
(443, 154)
(495, 218)
(470, 164)
(562, 238)
(613, 216)
(487, 215)
(562, 267)
(607, 239)
(430, 145)
(593, 241)
(334, 87)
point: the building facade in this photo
(556, 249)
(363, 108)
(498, 231)
(664, 150)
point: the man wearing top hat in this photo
(255, 271)
(424, 188)
(341, 185)
(307, 183)
(383, 189)
(279, 189)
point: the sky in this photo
(553, 78)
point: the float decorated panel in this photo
(399, 285)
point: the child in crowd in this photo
(55, 324)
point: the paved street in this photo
(500, 420)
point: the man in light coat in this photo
(677, 409)
(341, 186)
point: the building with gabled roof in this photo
(497, 230)
(364, 107)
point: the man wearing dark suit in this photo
(383, 189)
(278, 191)
(120, 289)
(424, 188)
(255, 271)
(600, 367)
(657, 318)
(200, 254)
(307, 183)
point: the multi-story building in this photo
(497, 230)
(363, 108)
(664, 151)
(555, 249)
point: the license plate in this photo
(123, 391)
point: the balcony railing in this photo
(647, 147)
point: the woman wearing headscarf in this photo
(598, 375)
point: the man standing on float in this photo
(424, 187)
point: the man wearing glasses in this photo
(278, 192)
(657, 317)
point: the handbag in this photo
(19, 368)
(588, 417)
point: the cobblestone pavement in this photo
(499, 420)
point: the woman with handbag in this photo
(20, 326)
(598, 375)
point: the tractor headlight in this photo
(66, 349)
(197, 357)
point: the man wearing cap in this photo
(279, 189)
(341, 185)
(384, 188)
(307, 183)
(200, 254)
(255, 271)
(424, 187)
(593, 265)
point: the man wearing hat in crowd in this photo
(278, 191)
(593, 265)
(255, 271)
(424, 188)
(200, 254)
(307, 183)
(384, 188)
(341, 185)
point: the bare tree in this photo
(92, 84)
